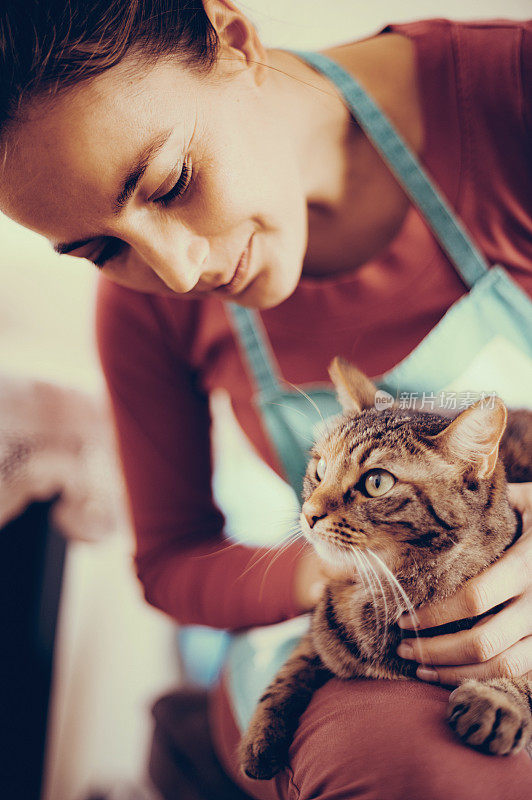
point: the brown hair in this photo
(49, 45)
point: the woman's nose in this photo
(178, 258)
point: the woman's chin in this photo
(268, 289)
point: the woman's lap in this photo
(376, 740)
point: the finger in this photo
(513, 663)
(315, 591)
(506, 578)
(488, 638)
(520, 496)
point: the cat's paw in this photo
(488, 719)
(263, 751)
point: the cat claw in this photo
(488, 719)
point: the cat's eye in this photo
(321, 466)
(377, 482)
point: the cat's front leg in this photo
(494, 716)
(264, 746)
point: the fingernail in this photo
(425, 674)
(405, 621)
(405, 650)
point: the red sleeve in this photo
(162, 418)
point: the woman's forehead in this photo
(82, 140)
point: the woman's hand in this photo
(310, 578)
(499, 645)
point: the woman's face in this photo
(168, 176)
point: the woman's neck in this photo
(355, 205)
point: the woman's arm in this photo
(187, 567)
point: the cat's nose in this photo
(312, 514)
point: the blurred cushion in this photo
(57, 441)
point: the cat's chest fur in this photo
(356, 637)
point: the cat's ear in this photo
(474, 435)
(355, 392)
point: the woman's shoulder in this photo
(414, 70)
(491, 55)
(484, 67)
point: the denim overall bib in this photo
(482, 344)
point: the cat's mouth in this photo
(333, 549)
(330, 551)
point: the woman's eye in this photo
(321, 466)
(116, 246)
(177, 189)
(112, 249)
(377, 482)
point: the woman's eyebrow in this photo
(129, 185)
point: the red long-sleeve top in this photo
(162, 356)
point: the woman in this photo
(194, 167)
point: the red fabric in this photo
(375, 740)
(162, 356)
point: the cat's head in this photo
(404, 484)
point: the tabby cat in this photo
(411, 505)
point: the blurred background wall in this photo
(114, 653)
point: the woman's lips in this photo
(240, 274)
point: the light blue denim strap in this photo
(449, 231)
(260, 361)
(289, 417)
(256, 347)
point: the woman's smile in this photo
(237, 282)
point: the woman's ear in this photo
(238, 36)
(354, 391)
(474, 435)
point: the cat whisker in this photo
(400, 596)
(217, 551)
(394, 583)
(292, 532)
(288, 516)
(276, 556)
(290, 408)
(359, 568)
(383, 593)
(297, 411)
(296, 526)
(253, 561)
(311, 401)
(362, 565)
